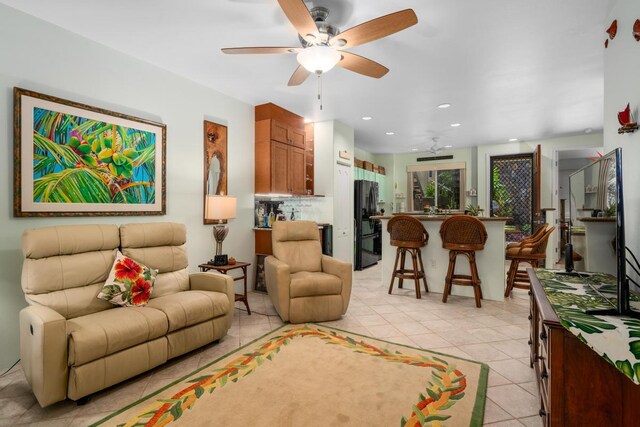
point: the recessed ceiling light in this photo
(367, 117)
(448, 146)
(445, 105)
(414, 149)
(455, 125)
(390, 133)
(588, 130)
(513, 140)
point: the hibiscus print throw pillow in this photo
(129, 283)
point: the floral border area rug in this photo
(314, 375)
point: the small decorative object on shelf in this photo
(626, 120)
(636, 30)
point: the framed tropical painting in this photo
(72, 159)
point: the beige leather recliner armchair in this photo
(303, 284)
(73, 344)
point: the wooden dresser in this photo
(577, 386)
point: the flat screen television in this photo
(596, 231)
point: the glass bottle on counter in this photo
(272, 217)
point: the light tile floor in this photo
(496, 334)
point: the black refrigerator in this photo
(367, 231)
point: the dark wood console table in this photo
(577, 386)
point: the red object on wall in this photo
(626, 121)
(613, 29)
(624, 117)
(636, 30)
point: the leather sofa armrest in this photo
(344, 271)
(43, 353)
(215, 282)
(278, 279)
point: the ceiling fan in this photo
(435, 149)
(323, 44)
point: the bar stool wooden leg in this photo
(511, 276)
(395, 268)
(475, 279)
(449, 278)
(403, 253)
(424, 274)
(416, 276)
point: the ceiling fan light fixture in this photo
(455, 125)
(319, 59)
(445, 105)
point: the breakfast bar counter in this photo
(490, 261)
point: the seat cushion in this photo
(514, 252)
(191, 307)
(100, 334)
(308, 284)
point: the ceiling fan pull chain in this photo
(320, 89)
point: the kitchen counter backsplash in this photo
(268, 211)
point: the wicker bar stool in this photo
(534, 237)
(532, 252)
(463, 235)
(409, 235)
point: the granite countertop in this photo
(442, 217)
(596, 219)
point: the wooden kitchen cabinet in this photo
(309, 158)
(287, 134)
(281, 157)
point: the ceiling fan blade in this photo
(375, 29)
(362, 65)
(299, 76)
(300, 18)
(259, 50)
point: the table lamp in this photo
(219, 208)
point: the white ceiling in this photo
(511, 68)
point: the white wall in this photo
(622, 85)
(331, 137)
(39, 56)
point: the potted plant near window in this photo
(472, 210)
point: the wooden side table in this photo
(224, 269)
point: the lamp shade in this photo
(319, 58)
(220, 207)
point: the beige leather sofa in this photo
(303, 284)
(73, 344)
